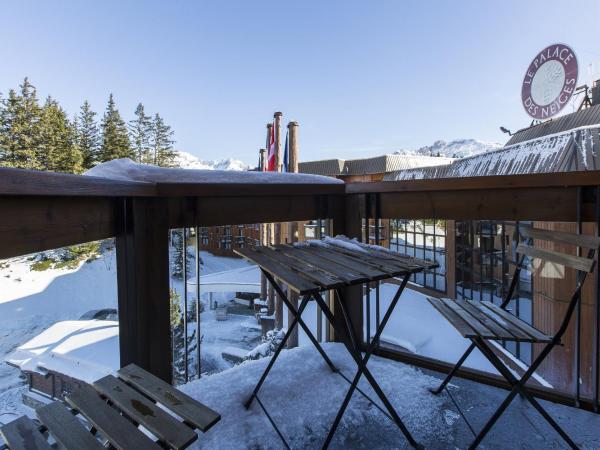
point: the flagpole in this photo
(292, 167)
(278, 231)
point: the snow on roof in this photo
(572, 150)
(375, 165)
(83, 349)
(126, 170)
(243, 279)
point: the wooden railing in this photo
(42, 211)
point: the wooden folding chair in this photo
(483, 321)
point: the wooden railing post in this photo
(143, 285)
(349, 223)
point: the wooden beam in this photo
(561, 179)
(143, 286)
(236, 190)
(211, 211)
(39, 183)
(33, 224)
(545, 204)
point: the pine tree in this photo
(177, 261)
(140, 130)
(88, 136)
(19, 128)
(162, 143)
(58, 150)
(115, 140)
(179, 337)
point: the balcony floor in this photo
(303, 396)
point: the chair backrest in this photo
(581, 263)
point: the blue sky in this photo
(361, 78)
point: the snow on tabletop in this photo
(126, 170)
(303, 396)
(83, 349)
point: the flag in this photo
(286, 155)
(271, 155)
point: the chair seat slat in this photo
(119, 431)
(536, 335)
(192, 411)
(164, 426)
(66, 429)
(23, 434)
(479, 327)
(501, 329)
(459, 323)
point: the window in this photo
(485, 262)
(425, 239)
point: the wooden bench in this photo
(110, 411)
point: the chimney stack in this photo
(596, 93)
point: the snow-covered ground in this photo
(31, 301)
(294, 394)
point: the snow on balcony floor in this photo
(303, 397)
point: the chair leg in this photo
(453, 371)
(518, 388)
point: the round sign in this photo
(550, 81)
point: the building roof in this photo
(369, 166)
(572, 150)
(240, 279)
(578, 119)
(83, 349)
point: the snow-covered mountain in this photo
(458, 148)
(186, 160)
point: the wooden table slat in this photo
(350, 276)
(164, 426)
(23, 434)
(66, 429)
(294, 280)
(368, 269)
(319, 276)
(399, 265)
(192, 411)
(119, 431)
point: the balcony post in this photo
(349, 222)
(143, 285)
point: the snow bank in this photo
(83, 349)
(303, 397)
(126, 170)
